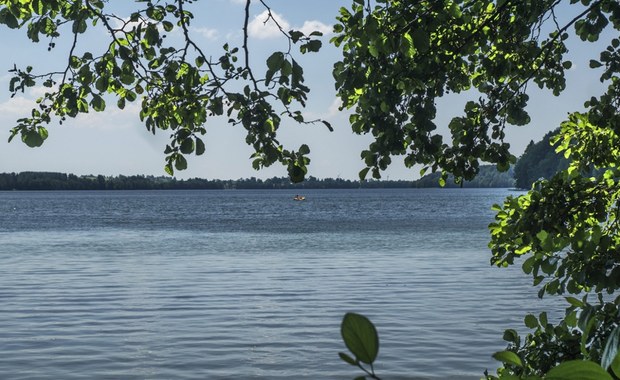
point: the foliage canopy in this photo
(179, 87)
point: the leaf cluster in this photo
(400, 57)
(565, 234)
(178, 86)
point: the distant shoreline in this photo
(55, 181)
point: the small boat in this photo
(299, 198)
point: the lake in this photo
(249, 284)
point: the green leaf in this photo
(295, 35)
(304, 149)
(180, 163)
(360, 337)
(578, 370)
(101, 84)
(615, 365)
(421, 40)
(7, 18)
(372, 49)
(314, 45)
(528, 264)
(611, 348)
(97, 103)
(200, 61)
(574, 301)
(200, 146)
(296, 173)
(33, 139)
(286, 68)
(79, 26)
(406, 45)
(275, 60)
(542, 236)
(531, 321)
(187, 146)
(508, 357)
(511, 335)
(363, 173)
(168, 169)
(515, 377)
(168, 26)
(347, 358)
(595, 64)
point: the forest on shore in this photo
(63, 181)
(538, 161)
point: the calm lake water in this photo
(251, 284)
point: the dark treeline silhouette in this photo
(488, 176)
(62, 181)
(539, 160)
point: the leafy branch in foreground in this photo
(361, 338)
(400, 57)
(178, 84)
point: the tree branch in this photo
(245, 44)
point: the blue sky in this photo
(115, 142)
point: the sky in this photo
(115, 142)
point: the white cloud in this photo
(334, 108)
(263, 27)
(208, 33)
(315, 25)
(112, 117)
(21, 104)
(17, 106)
(237, 34)
(238, 1)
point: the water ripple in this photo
(222, 285)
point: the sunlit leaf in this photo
(578, 370)
(508, 357)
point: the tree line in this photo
(31, 180)
(538, 161)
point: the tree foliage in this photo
(179, 87)
(399, 58)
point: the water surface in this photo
(250, 284)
